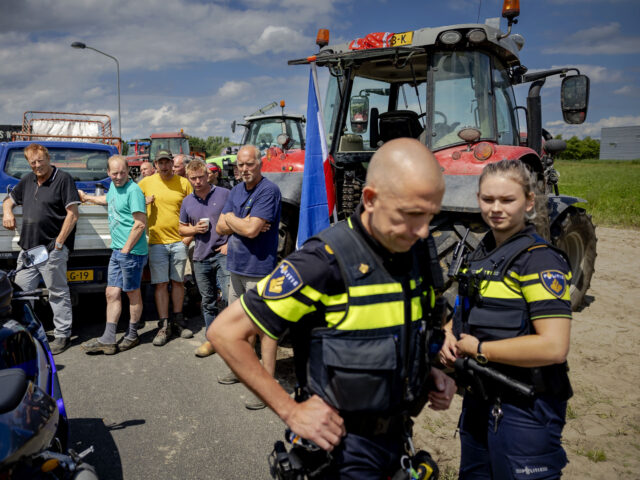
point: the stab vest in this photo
(490, 306)
(373, 360)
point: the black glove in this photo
(51, 246)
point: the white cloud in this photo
(628, 90)
(232, 89)
(590, 129)
(278, 40)
(601, 39)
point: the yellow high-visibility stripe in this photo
(262, 284)
(498, 289)
(537, 293)
(289, 308)
(521, 278)
(377, 289)
(255, 320)
(379, 315)
(327, 300)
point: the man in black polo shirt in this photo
(49, 200)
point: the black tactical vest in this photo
(374, 359)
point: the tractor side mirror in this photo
(233, 127)
(574, 98)
(359, 114)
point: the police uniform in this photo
(502, 291)
(359, 318)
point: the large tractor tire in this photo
(575, 234)
(287, 232)
(446, 233)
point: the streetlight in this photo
(82, 45)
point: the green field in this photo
(611, 188)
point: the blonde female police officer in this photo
(361, 293)
(517, 319)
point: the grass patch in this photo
(611, 188)
(571, 413)
(595, 454)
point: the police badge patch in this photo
(554, 282)
(284, 281)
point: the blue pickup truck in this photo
(87, 164)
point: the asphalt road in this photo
(158, 412)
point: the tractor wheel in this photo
(287, 232)
(541, 209)
(576, 235)
(446, 234)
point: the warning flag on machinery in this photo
(317, 201)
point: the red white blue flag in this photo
(317, 201)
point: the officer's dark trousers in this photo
(525, 445)
(358, 458)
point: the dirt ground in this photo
(602, 434)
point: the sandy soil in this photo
(602, 434)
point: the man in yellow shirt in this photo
(164, 192)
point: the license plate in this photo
(401, 39)
(79, 275)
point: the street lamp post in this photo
(82, 45)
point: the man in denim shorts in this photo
(164, 193)
(127, 222)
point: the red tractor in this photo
(451, 87)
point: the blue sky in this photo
(198, 65)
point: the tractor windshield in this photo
(263, 133)
(469, 89)
(174, 145)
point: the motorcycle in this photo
(34, 427)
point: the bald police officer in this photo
(356, 298)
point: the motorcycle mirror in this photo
(34, 256)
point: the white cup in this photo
(205, 220)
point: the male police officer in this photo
(355, 298)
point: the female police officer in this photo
(515, 315)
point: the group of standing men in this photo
(235, 235)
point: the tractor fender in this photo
(559, 203)
(290, 185)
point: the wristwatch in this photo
(480, 357)
(59, 246)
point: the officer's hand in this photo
(9, 221)
(318, 422)
(447, 353)
(445, 388)
(467, 346)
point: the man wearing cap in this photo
(213, 174)
(167, 251)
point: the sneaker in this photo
(228, 379)
(180, 325)
(164, 333)
(253, 402)
(96, 346)
(128, 343)
(205, 350)
(59, 345)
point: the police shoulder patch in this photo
(284, 281)
(554, 281)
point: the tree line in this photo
(586, 149)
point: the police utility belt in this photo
(373, 364)
(493, 318)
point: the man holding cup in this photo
(198, 213)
